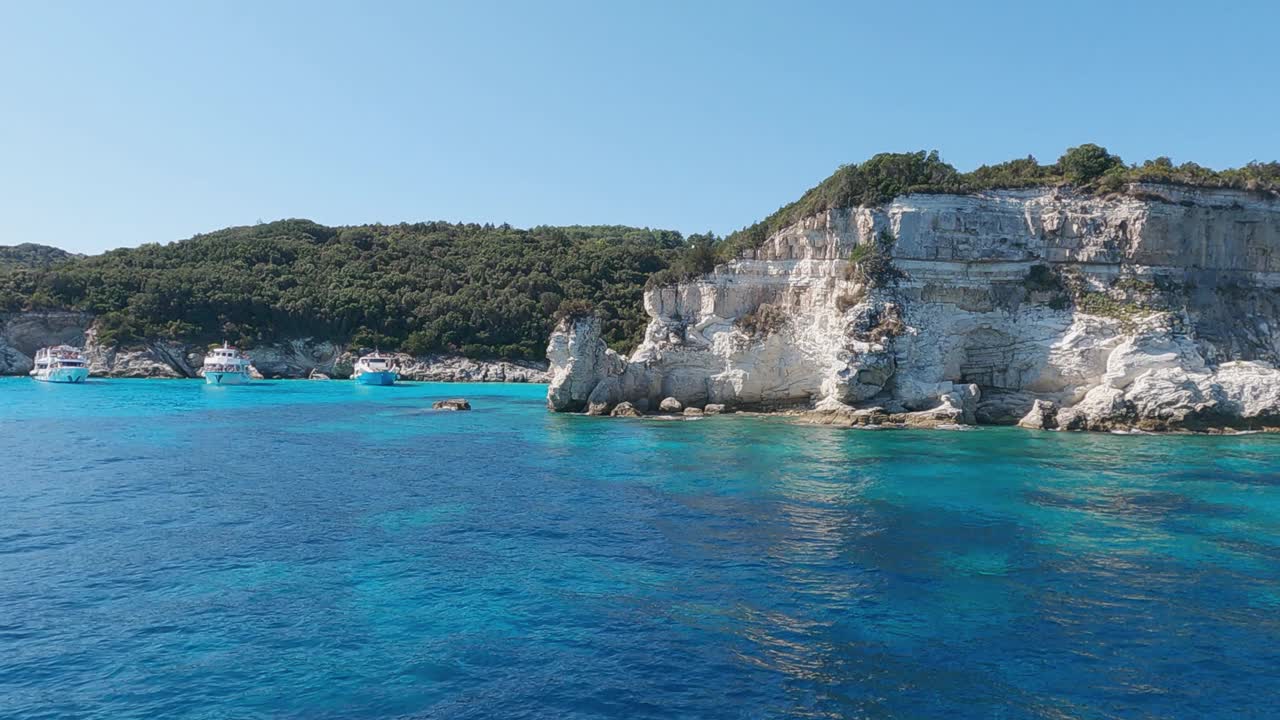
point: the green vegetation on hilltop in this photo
(31, 255)
(878, 180)
(1088, 167)
(481, 290)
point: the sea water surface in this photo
(305, 549)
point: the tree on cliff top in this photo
(878, 180)
(1085, 163)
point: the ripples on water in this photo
(318, 550)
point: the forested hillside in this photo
(480, 290)
(31, 255)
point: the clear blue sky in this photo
(123, 122)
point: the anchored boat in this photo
(374, 369)
(61, 364)
(226, 366)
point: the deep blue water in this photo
(323, 550)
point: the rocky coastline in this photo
(1156, 309)
(21, 334)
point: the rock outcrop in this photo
(1156, 309)
(296, 358)
(155, 359)
(625, 409)
(455, 368)
(1043, 415)
(453, 404)
(582, 366)
(22, 334)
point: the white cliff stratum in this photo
(1157, 309)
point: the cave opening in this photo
(991, 361)
(988, 361)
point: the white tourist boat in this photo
(226, 366)
(61, 364)
(374, 369)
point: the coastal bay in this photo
(296, 549)
(639, 361)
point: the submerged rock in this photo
(453, 404)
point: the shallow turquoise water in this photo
(324, 550)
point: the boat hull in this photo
(376, 378)
(226, 378)
(70, 376)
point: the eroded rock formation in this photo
(1157, 309)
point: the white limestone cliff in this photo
(1157, 309)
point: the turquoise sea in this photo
(305, 549)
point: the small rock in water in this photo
(713, 409)
(625, 409)
(454, 404)
(693, 412)
(670, 405)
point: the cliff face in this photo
(1157, 309)
(21, 334)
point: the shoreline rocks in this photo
(22, 333)
(625, 409)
